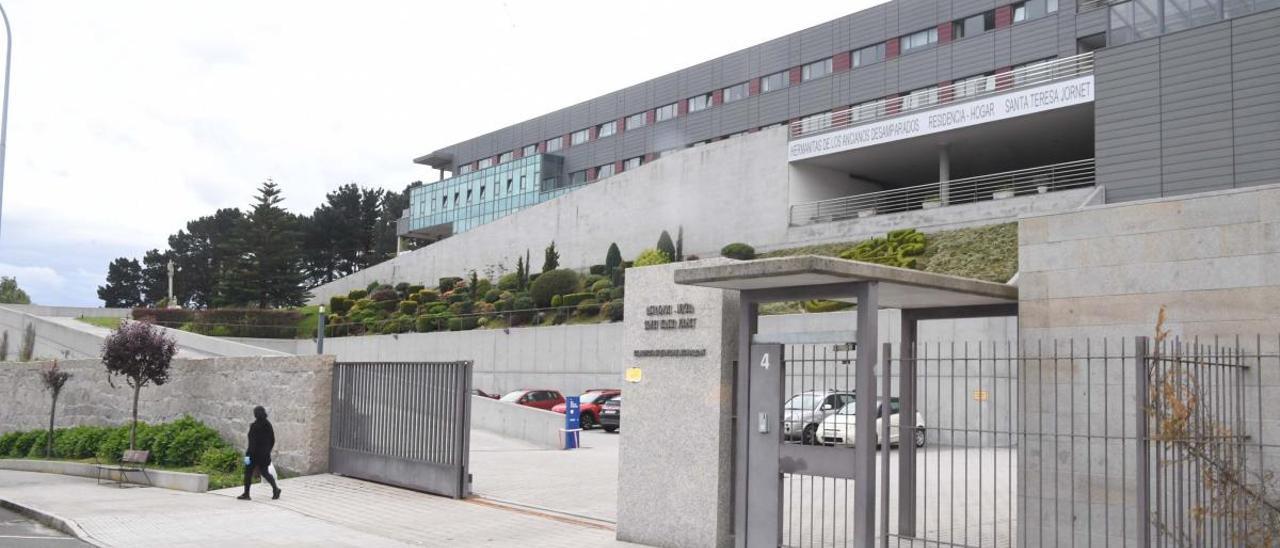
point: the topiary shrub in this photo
(438, 308)
(364, 304)
(428, 296)
(414, 289)
(402, 288)
(448, 284)
(457, 297)
(613, 311)
(898, 248)
(521, 308)
(509, 281)
(408, 307)
(422, 324)
(387, 306)
(492, 295)
(28, 440)
(7, 441)
(460, 308)
(604, 295)
(552, 283)
(598, 269)
(463, 324)
(373, 286)
(339, 304)
(601, 284)
(573, 299)
(588, 308)
(357, 294)
(557, 301)
(483, 286)
(739, 251)
(617, 293)
(591, 280)
(384, 294)
(652, 257)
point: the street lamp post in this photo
(4, 113)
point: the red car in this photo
(589, 404)
(534, 397)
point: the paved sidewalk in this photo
(320, 510)
(582, 482)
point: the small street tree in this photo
(53, 378)
(141, 354)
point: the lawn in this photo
(101, 321)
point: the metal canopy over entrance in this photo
(762, 454)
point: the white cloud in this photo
(129, 118)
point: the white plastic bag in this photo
(271, 469)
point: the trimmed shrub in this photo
(617, 293)
(402, 288)
(384, 294)
(79, 442)
(533, 276)
(165, 317)
(463, 324)
(588, 308)
(520, 307)
(247, 322)
(428, 296)
(422, 324)
(739, 251)
(601, 284)
(613, 311)
(373, 286)
(572, 299)
(552, 283)
(666, 246)
(557, 301)
(598, 269)
(408, 307)
(25, 442)
(604, 295)
(898, 248)
(460, 308)
(221, 459)
(509, 281)
(414, 289)
(388, 305)
(357, 294)
(691, 258)
(651, 257)
(365, 303)
(492, 295)
(591, 280)
(438, 308)
(339, 304)
(457, 297)
(448, 284)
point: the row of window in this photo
(606, 170)
(961, 28)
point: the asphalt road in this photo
(16, 530)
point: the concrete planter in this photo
(178, 481)
(866, 213)
(1001, 194)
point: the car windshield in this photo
(803, 402)
(591, 397)
(615, 402)
(514, 396)
(850, 408)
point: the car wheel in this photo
(810, 435)
(919, 437)
(611, 429)
(586, 421)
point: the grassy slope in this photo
(101, 321)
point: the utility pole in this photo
(4, 116)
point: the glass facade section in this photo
(699, 102)
(555, 144)
(666, 112)
(636, 121)
(868, 55)
(735, 93)
(632, 163)
(606, 129)
(529, 150)
(816, 69)
(917, 40)
(775, 81)
(460, 203)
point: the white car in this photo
(840, 428)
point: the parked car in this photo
(805, 411)
(483, 394)
(840, 428)
(589, 405)
(611, 414)
(534, 397)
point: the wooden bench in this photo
(131, 461)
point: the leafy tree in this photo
(612, 259)
(393, 206)
(28, 348)
(680, 243)
(124, 284)
(341, 234)
(527, 265)
(268, 271)
(202, 255)
(53, 379)
(473, 286)
(551, 259)
(650, 257)
(141, 354)
(666, 246)
(155, 276)
(10, 293)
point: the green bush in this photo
(422, 324)
(7, 441)
(509, 281)
(463, 324)
(372, 286)
(898, 248)
(402, 288)
(602, 284)
(357, 294)
(617, 293)
(739, 251)
(457, 297)
(572, 299)
(557, 301)
(460, 308)
(428, 296)
(651, 257)
(408, 307)
(552, 283)
(591, 280)
(438, 308)
(447, 284)
(387, 306)
(79, 442)
(247, 322)
(22, 446)
(613, 310)
(364, 304)
(414, 289)
(588, 308)
(520, 307)
(822, 305)
(165, 317)
(492, 295)
(604, 295)
(384, 294)
(339, 304)
(220, 459)
(599, 269)
(483, 286)
(185, 441)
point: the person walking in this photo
(258, 456)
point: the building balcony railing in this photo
(1090, 5)
(964, 90)
(996, 186)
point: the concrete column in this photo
(944, 173)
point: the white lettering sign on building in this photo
(1022, 102)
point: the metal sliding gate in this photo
(403, 423)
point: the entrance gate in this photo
(403, 423)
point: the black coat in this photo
(262, 438)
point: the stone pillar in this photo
(944, 174)
(675, 460)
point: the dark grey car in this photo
(804, 411)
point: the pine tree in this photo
(155, 276)
(124, 284)
(268, 269)
(680, 244)
(666, 246)
(551, 260)
(612, 259)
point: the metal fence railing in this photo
(1090, 5)
(1022, 182)
(971, 88)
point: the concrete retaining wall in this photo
(220, 392)
(55, 339)
(71, 311)
(178, 481)
(536, 426)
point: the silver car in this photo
(804, 411)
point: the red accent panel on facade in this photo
(717, 97)
(891, 48)
(1004, 78)
(946, 93)
(622, 126)
(1004, 16)
(593, 134)
(682, 107)
(753, 87)
(893, 105)
(841, 62)
(591, 174)
(649, 157)
(944, 32)
(651, 117)
(617, 166)
(542, 147)
(795, 76)
(566, 141)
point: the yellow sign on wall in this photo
(633, 374)
(980, 395)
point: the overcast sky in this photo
(129, 118)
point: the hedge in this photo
(247, 322)
(573, 299)
(588, 308)
(183, 442)
(384, 294)
(463, 324)
(613, 310)
(602, 284)
(408, 307)
(339, 304)
(357, 294)
(167, 317)
(447, 284)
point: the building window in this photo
(604, 171)
(632, 163)
(481, 193)
(974, 85)
(771, 126)
(920, 98)
(506, 157)
(735, 93)
(522, 182)
(484, 163)
(606, 129)
(815, 122)
(580, 136)
(666, 112)
(463, 170)
(550, 183)
(637, 120)
(775, 81)
(973, 26)
(468, 195)
(816, 69)
(509, 179)
(868, 55)
(917, 40)
(699, 102)
(456, 194)
(555, 144)
(1033, 9)
(444, 202)
(529, 150)
(578, 177)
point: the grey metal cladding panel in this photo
(606, 108)
(555, 123)
(636, 98)
(814, 96)
(1090, 22)
(918, 69)
(666, 90)
(580, 117)
(701, 78)
(841, 89)
(971, 56)
(607, 150)
(965, 8)
(773, 107)
(737, 116)
(668, 135)
(1256, 135)
(914, 15)
(507, 139)
(698, 126)
(869, 26)
(1127, 121)
(635, 142)
(736, 67)
(867, 83)
(774, 55)
(531, 131)
(1002, 50)
(1033, 40)
(815, 42)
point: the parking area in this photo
(580, 482)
